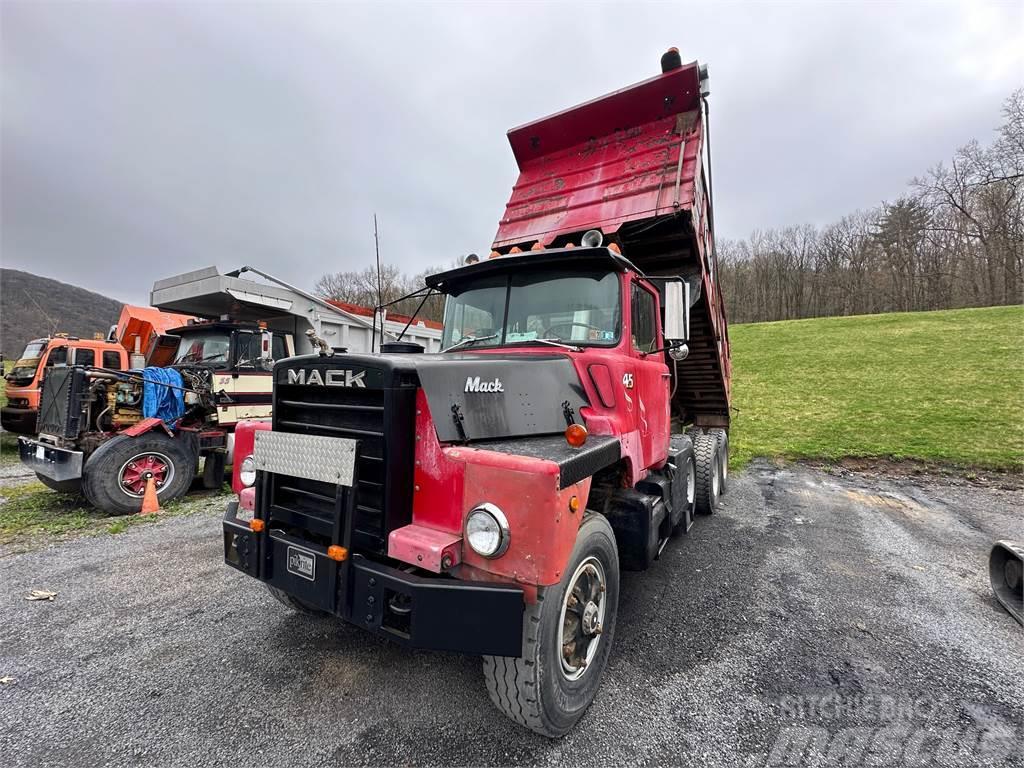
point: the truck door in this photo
(650, 389)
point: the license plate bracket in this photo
(301, 562)
(302, 569)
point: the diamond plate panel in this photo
(313, 457)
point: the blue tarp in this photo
(161, 401)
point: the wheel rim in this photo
(725, 461)
(137, 470)
(582, 621)
(691, 484)
(715, 477)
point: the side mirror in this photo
(267, 350)
(677, 311)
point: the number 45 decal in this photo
(627, 380)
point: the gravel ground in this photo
(822, 618)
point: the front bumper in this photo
(19, 420)
(436, 613)
(49, 460)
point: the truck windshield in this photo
(210, 347)
(24, 369)
(577, 307)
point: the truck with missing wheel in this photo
(106, 427)
(484, 499)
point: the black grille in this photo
(60, 403)
(382, 421)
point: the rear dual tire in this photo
(548, 689)
(709, 472)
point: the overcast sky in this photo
(144, 139)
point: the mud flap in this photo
(1005, 567)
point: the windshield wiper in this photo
(552, 342)
(469, 340)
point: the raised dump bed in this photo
(632, 165)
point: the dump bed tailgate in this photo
(607, 162)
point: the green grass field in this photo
(944, 387)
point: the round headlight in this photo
(247, 472)
(487, 530)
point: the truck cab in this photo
(25, 378)
(441, 499)
(237, 358)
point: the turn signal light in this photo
(337, 553)
(615, 247)
(574, 504)
(256, 525)
(576, 435)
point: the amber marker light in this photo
(256, 525)
(537, 246)
(494, 255)
(516, 249)
(614, 247)
(576, 435)
(337, 553)
(574, 504)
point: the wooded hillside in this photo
(33, 306)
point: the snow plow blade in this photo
(1005, 566)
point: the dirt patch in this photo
(918, 471)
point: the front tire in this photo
(294, 603)
(115, 475)
(567, 636)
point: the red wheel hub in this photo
(137, 471)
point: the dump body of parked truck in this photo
(484, 499)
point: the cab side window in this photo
(645, 333)
(57, 356)
(85, 356)
(112, 360)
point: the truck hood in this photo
(471, 396)
(494, 396)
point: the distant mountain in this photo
(33, 306)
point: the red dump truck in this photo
(484, 499)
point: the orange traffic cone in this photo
(150, 502)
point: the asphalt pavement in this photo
(821, 618)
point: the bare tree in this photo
(955, 240)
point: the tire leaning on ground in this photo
(709, 478)
(61, 486)
(114, 476)
(723, 458)
(567, 635)
(294, 603)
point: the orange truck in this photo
(137, 331)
